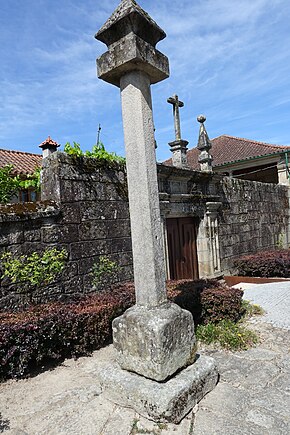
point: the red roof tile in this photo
(47, 142)
(229, 149)
(23, 163)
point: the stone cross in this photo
(155, 338)
(176, 104)
(179, 146)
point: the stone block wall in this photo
(235, 217)
(254, 216)
(84, 209)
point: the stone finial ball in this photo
(201, 119)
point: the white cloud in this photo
(229, 59)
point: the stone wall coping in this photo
(86, 162)
(28, 211)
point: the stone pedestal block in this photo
(165, 402)
(155, 342)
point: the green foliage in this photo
(98, 152)
(251, 310)
(265, 264)
(9, 184)
(229, 335)
(104, 271)
(73, 150)
(32, 181)
(34, 269)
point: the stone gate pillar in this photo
(208, 242)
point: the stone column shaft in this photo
(148, 254)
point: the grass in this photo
(251, 309)
(230, 335)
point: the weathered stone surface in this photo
(165, 402)
(131, 36)
(132, 54)
(155, 342)
(91, 201)
(143, 189)
(128, 17)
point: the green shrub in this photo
(34, 269)
(265, 264)
(10, 184)
(32, 181)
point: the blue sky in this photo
(229, 59)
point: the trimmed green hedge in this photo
(52, 332)
(265, 264)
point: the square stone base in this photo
(168, 401)
(154, 342)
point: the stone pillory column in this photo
(154, 338)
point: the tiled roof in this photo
(23, 163)
(229, 149)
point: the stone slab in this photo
(163, 402)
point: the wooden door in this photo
(181, 236)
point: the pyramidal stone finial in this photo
(204, 145)
(131, 36)
(128, 17)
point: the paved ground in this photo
(274, 298)
(252, 397)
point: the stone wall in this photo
(254, 216)
(85, 211)
(235, 217)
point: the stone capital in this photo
(212, 208)
(132, 53)
(177, 145)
